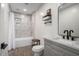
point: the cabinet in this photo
(56, 49)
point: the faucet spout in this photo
(71, 31)
(67, 33)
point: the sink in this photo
(68, 43)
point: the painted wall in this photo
(42, 30)
(0, 24)
(4, 23)
(4, 19)
(0, 20)
(49, 31)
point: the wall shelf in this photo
(47, 18)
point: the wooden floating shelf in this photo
(47, 22)
(48, 17)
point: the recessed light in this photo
(42, 14)
(2, 5)
(24, 9)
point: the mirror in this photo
(68, 18)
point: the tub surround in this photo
(22, 25)
(61, 47)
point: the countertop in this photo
(69, 43)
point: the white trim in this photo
(18, 39)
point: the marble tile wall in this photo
(22, 26)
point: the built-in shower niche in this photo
(68, 19)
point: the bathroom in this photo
(22, 22)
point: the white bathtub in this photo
(20, 42)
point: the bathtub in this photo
(21, 42)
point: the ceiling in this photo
(30, 7)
